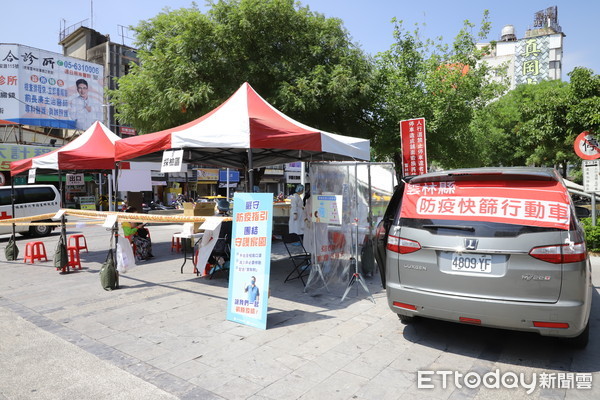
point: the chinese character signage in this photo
(15, 152)
(42, 88)
(586, 146)
(542, 203)
(327, 209)
(207, 175)
(75, 180)
(414, 150)
(591, 176)
(172, 161)
(532, 60)
(250, 259)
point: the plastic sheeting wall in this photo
(366, 189)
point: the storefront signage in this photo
(87, 203)
(414, 149)
(234, 176)
(207, 175)
(250, 259)
(14, 152)
(125, 130)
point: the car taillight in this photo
(560, 254)
(401, 245)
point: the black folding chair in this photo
(222, 249)
(299, 257)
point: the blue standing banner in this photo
(250, 259)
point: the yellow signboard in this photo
(14, 152)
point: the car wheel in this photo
(580, 341)
(405, 319)
(40, 230)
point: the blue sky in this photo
(36, 23)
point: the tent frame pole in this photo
(250, 172)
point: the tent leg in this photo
(250, 172)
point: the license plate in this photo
(472, 263)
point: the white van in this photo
(30, 200)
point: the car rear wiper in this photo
(457, 227)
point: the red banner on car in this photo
(533, 203)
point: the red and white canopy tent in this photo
(244, 132)
(93, 150)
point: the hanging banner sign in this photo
(327, 209)
(414, 150)
(75, 180)
(31, 176)
(172, 161)
(250, 259)
(530, 203)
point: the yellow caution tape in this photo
(102, 215)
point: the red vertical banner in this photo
(414, 149)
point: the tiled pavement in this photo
(164, 335)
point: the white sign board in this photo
(75, 180)
(591, 176)
(31, 176)
(172, 161)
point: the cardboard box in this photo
(199, 209)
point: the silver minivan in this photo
(496, 247)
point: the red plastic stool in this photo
(175, 243)
(76, 242)
(74, 260)
(35, 251)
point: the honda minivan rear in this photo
(495, 247)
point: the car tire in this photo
(580, 341)
(405, 319)
(40, 230)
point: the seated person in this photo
(222, 208)
(138, 235)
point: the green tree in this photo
(298, 60)
(537, 124)
(444, 84)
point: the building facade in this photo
(535, 57)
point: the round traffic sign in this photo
(587, 146)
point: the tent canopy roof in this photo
(245, 121)
(93, 150)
